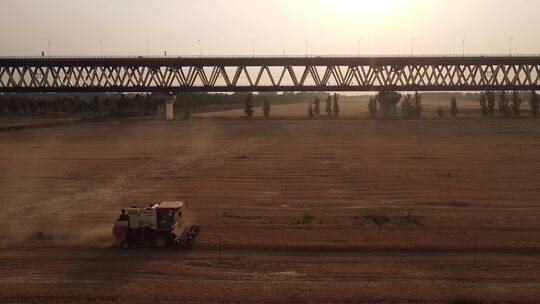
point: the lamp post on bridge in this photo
(412, 46)
(49, 46)
(463, 45)
(511, 40)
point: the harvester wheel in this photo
(160, 242)
(125, 244)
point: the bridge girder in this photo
(243, 74)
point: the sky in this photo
(268, 27)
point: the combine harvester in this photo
(154, 224)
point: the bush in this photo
(308, 218)
(378, 219)
(408, 218)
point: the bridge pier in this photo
(388, 104)
(165, 105)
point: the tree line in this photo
(118, 105)
(331, 108)
(507, 104)
(491, 103)
(121, 105)
(124, 105)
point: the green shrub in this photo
(308, 218)
(377, 218)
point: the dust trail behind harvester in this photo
(83, 215)
(188, 219)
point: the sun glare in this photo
(344, 15)
(360, 7)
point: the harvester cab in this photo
(156, 224)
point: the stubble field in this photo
(292, 211)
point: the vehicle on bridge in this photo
(154, 224)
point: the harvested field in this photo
(304, 211)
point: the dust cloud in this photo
(47, 203)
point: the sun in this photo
(360, 7)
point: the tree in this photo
(266, 107)
(248, 105)
(534, 104)
(491, 102)
(372, 107)
(440, 111)
(483, 104)
(504, 107)
(328, 107)
(454, 106)
(417, 106)
(335, 107)
(516, 103)
(407, 107)
(310, 109)
(317, 107)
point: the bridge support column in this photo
(388, 104)
(165, 106)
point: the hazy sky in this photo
(75, 27)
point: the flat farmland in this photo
(292, 210)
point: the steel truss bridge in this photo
(264, 74)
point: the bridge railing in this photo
(274, 56)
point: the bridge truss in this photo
(263, 74)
